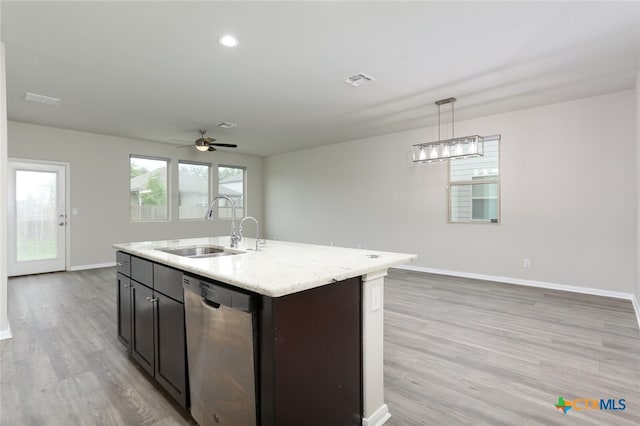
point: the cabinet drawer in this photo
(123, 263)
(168, 281)
(142, 271)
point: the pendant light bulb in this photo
(434, 152)
(473, 147)
(423, 154)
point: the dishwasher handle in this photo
(209, 304)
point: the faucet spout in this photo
(209, 216)
(257, 229)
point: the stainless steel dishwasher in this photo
(220, 325)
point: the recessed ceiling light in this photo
(228, 40)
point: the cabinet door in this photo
(142, 339)
(124, 310)
(171, 364)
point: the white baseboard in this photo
(378, 418)
(94, 266)
(531, 283)
(6, 334)
(636, 307)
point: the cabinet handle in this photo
(121, 263)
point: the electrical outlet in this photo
(526, 263)
(375, 299)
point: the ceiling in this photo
(154, 70)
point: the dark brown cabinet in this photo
(311, 357)
(308, 345)
(151, 323)
(124, 310)
(142, 347)
(170, 355)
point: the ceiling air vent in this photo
(358, 79)
(41, 99)
(226, 125)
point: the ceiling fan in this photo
(208, 144)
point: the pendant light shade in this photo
(462, 147)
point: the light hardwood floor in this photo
(461, 351)
(457, 352)
(64, 364)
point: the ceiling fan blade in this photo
(224, 145)
(211, 149)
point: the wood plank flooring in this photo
(64, 364)
(457, 352)
(461, 351)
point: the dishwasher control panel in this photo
(218, 293)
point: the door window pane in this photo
(148, 189)
(36, 226)
(231, 184)
(193, 190)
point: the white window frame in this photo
(167, 188)
(480, 180)
(209, 186)
(244, 189)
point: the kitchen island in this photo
(319, 321)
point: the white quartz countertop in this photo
(277, 269)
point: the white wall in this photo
(568, 185)
(637, 289)
(100, 187)
(5, 331)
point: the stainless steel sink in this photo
(199, 251)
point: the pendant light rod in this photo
(444, 102)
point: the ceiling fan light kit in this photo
(208, 144)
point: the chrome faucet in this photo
(257, 229)
(209, 216)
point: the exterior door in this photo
(37, 218)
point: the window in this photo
(193, 189)
(231, 184)
(474, 186)
(148, 179)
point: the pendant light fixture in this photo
(462, 147)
